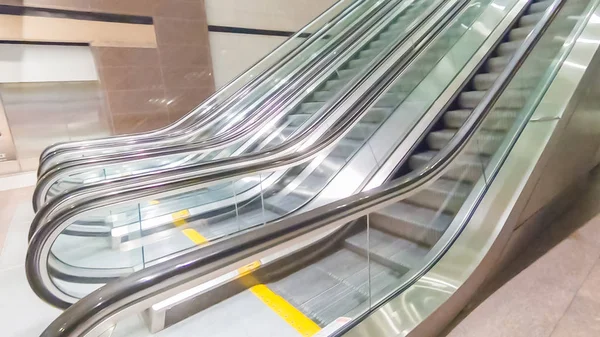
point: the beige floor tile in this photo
(525, 308)
(591, 287)
(582, 319)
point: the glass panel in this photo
(304, 109)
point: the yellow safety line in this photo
(294, 317)
(192, 234)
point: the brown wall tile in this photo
(183, 9)
(139, 122)
(137, 101)
(132, 7)
(177, 31)
(182, 101)
(119, 57)
(187, 77)
(131, 78)
(185, 56)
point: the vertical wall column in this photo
(147, 88)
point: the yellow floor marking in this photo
(193, 235)
(180, 215)
(294, 317)
(154, 202)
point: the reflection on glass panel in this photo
(40, 114)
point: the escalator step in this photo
(369, 53)
(498, 120)
(497, 64)
(443, 194)
(484, 142)
(396, 253)
(467, 167)
(417, 224)
(530, 19)
(346, 73)
(510, 99)
(484, 81)
(508, 48)
(310, 107)
(520, 33)
(541, 6)
(334, 85)
(297, 119)
(323, 96)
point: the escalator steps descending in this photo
(424, 217)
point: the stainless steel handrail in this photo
(62, 211)
(92, 311)
(50, 177)
(211, 104)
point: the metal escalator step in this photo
(510, 99)
(530, 19)
(508, 48)
(417, 224)
(443, 194)
(362, 131)
(378, 44)
(467, 167)
(539, 6)
(484, 81)
(519, 33)
(389, 35)
(369, 53)
(322, 96)
(484, 142)
(303, 285)
(310, 107)
(497, 64)
(352, 269)
(396, 253)
(358, 63)
(333, 303)
(346, 73)
(334, 85)
(498, 120)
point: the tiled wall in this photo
(147, 88)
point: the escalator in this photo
(320, 85)
(137, 245)
(332, 268)
(368, 264)
(117, 239)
